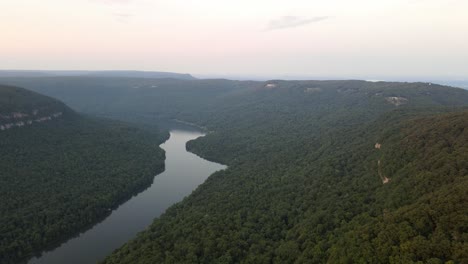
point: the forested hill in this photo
(337, 172)
(325, 201)
(22, 108)
(424, 210)
(19, 99)
(64, 172)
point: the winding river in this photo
(184, 172)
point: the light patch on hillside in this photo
(271, 85)
(313, 90)
(397, 101)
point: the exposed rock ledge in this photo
(17, 119)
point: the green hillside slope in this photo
(425, 213)
(132, 97)
(304, 181)
(60, 173)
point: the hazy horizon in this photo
(451, 80)
(362, 39)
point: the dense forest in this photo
(319, 171)
(329, 205)
(306, 183)
(63, 175)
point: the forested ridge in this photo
(17, 99)
(424, 217)
(303, 184)
(61, 176)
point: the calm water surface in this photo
(184, 172)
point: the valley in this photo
(183, 173)
(234, 132)
(306, 181)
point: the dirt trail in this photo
(382, 177)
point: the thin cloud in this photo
(292, 22)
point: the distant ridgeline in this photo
(125, 74)
(61, 172)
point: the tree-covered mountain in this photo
(17, 100)
(61, 171)
(319, 171)
(121, 97)
(306, 181)
(323, 201)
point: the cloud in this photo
(292, 21)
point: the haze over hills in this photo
(62, 171)
(166, 98)
(319, 171)
(110, 73)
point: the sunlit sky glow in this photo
(360, 38)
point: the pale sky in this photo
(348, 38)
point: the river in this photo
(184, 171)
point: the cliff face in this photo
(20, 119)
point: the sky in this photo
(335, 38)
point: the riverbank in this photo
(184, 172)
